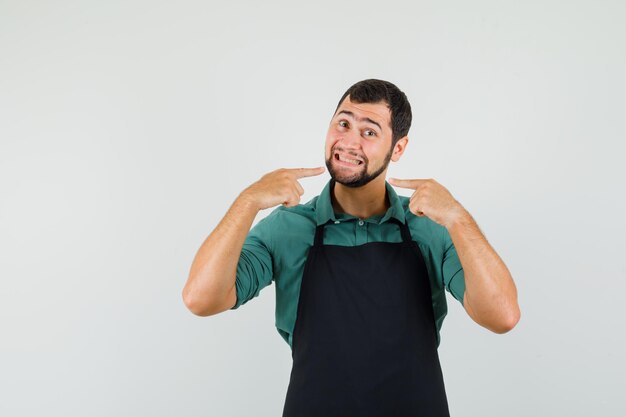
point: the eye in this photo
(342, 121)
(373, 133)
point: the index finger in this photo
(307, 172)
(412, 184)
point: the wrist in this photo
(457, 217)
(247, 202)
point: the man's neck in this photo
(362, 202)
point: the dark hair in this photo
(374, 91)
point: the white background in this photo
(127, 128)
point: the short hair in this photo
(374, 91)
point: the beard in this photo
(358, 177)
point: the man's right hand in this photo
(279, 187)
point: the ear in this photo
(399, 148)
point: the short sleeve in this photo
(254, 268)
(453, 276)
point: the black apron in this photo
(364, 342)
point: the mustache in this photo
(337, 149)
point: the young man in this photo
(360, 272)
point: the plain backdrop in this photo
(127, 128)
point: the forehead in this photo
(375, 112)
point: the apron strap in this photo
(404, 230)
(319, 235)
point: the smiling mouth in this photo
(348, 161)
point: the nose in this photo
(350, 141)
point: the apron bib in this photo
(364, 341)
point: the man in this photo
(360, 272)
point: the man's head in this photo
(369, 128)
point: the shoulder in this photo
(423, 229)
(299, 213)
(288, 220)
(286, 231)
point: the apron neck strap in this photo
(404, 230)
(319, 235)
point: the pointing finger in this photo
(412, 184)
(307, 172)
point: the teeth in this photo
(352, 161)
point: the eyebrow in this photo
(367, 119)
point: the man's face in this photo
(358, 142)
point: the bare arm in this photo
(210, 287)
(490, 294)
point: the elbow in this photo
(507, 325)
(197, 306)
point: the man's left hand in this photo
(431, 199)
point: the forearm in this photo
(489, 287)
(213, 271)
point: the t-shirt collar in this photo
(325, 213)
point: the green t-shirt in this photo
(276, 249)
